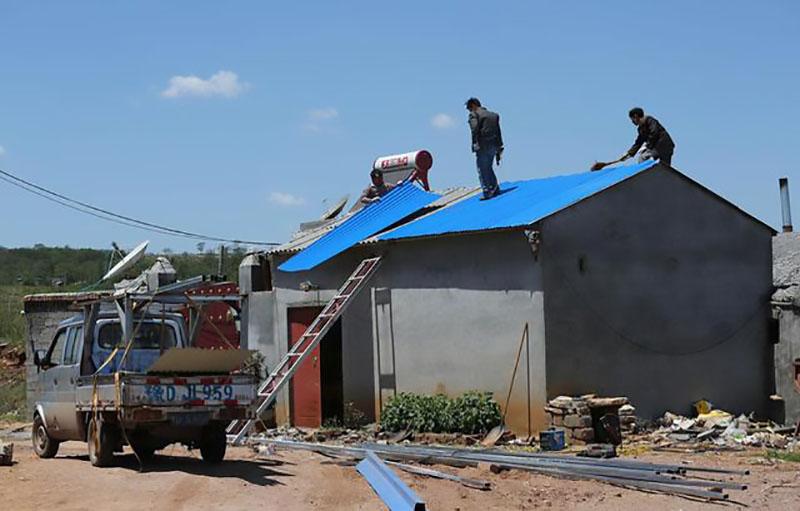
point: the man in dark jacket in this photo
(487, 144)
(376, 190)
(659, 144)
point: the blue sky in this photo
(238, 119)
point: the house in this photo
(633, 281)
(786, 309)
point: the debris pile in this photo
(572, 414)
(6, 454)
(11, 356)
(720, 429)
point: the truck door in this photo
(67, 380)
(49, 378)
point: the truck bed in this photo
(185, 392)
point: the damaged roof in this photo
(304, 238)
(398, 204)
(521, 203)
(409, 212)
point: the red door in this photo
(305, 388)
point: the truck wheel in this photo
(213, 444)
(43, 445)
(101, 440)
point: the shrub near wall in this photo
(471, 413)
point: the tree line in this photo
(44, 266)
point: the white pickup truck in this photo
(155, 398)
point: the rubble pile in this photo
(572, 414)
(720, 429)
(577, 415)
(6, 454)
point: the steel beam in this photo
(392, 491)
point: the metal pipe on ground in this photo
(495, 456)
(478, 484)
(644, 477)
(619, 463)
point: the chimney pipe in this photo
(786, 210)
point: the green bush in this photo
(475, 412)
(471, 413)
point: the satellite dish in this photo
(335, 209)
(129, 260)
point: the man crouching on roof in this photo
(377, 189)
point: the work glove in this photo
(499, 156)
(475, 147)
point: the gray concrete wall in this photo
(787, 351)
(441, 315)
(659, 291)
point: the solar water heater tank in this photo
(397, 167)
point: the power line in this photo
(105, 214)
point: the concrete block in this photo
(627, 410)
(583, 434)
(602, 402)
(564, 402)
(578, 421)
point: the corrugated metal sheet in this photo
(521, 203)
(304, 239)
(451, 195)
(393, 207)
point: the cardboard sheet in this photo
(199, 360)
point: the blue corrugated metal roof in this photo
(521, 203)
(393, 207)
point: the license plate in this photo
(175, 394)
(189, 418)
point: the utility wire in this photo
(110, 215)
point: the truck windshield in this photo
(149, 335)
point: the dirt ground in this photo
(295, 480)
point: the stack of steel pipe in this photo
(641, 475)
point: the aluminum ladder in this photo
(268, 391)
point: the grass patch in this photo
(12, 395)
(793, 457)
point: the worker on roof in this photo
(659, 145)
(377, 189)
(487, 144)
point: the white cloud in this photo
(442, 121)
(286, 199)
(223, 83)
(323, 114)
(2, 150)
(317, 118)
